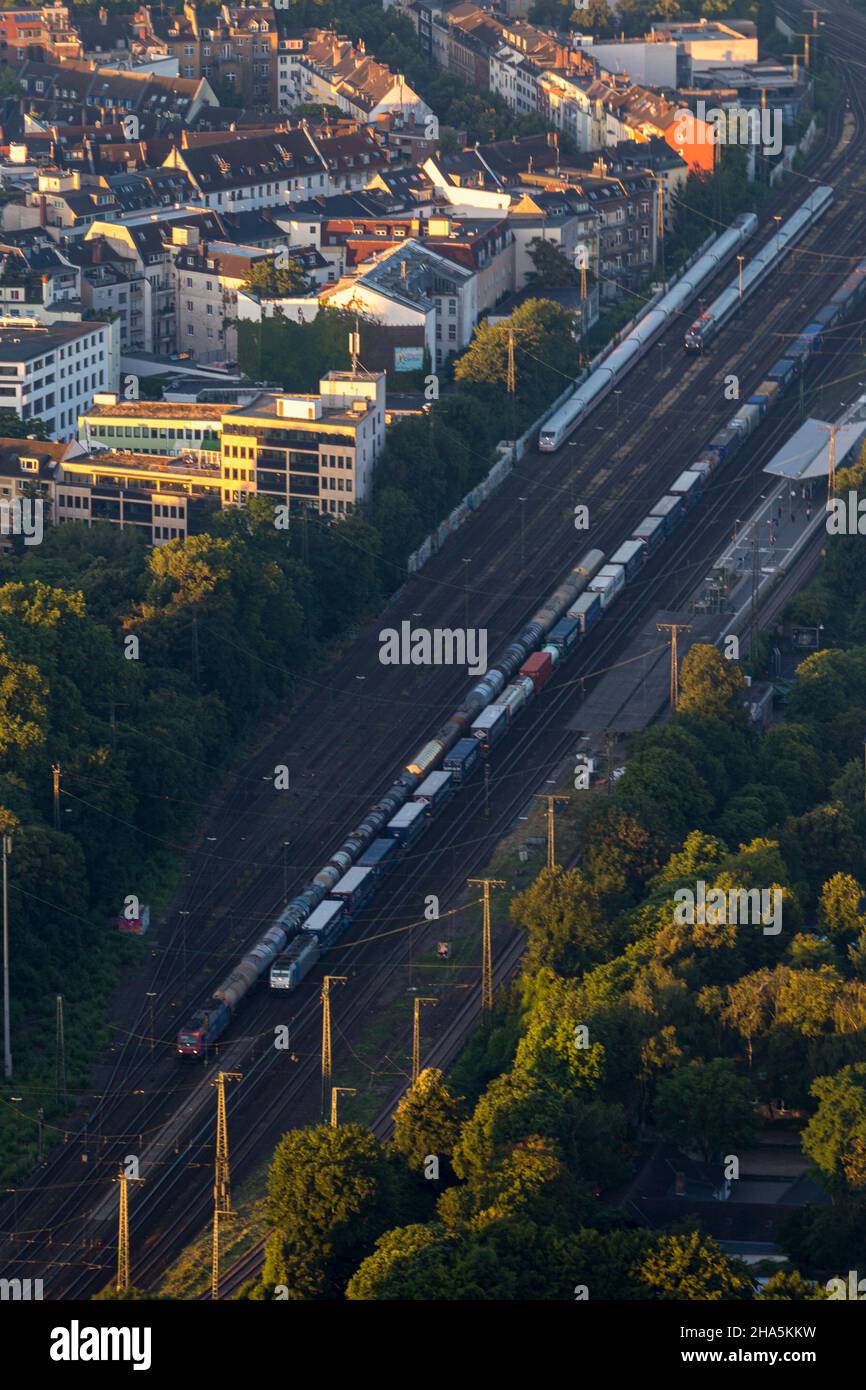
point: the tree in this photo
(692, 1267)
(552, 268)
(331, 1193)
(13, 427)
(790, 1286)
(706, 1106)
(839, 911)
(749, 1006)
(270, 280)
(566, 930)
(427, 1120)
(834, 1136)
(710, 685)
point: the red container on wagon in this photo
(539, 668)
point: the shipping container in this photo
(539, 668)
(614, 572)
(411, 819)
(707, 460)
(829, 315)
(606, 587)
(435, 790)
(380, 854)
(761, 402)
(631, 556)
(566, 633)
(587, 610)
(671, 509)
(326, 921)
(690, 486)
(769, 390)
(651, 531)
(490, 725)
(784, 371)
(726, 442)
(746, 418)
(463, 757)
(553, 652)
(354, 888)
(513, 698)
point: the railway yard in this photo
(356, 725)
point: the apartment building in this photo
(233, 47)
(149, 245)
(52, 373)
(322, 66)
(208, 276)
(625, 207)
(247, 172)
(82, 93)
(309, 451)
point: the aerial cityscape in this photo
(433, 664)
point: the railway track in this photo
(349, 774)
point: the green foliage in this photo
(706, 1106)
(331, 1194)
(563, 919)
(833, 1136)
(427, 1120)
(270, 281)
(141, 743)
(295, 356)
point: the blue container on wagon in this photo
(565, 634)
(587, 610)
(464, 756)
(380, 855)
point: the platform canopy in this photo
(806, 454)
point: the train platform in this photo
(636, 692)
(735, 595)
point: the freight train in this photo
(712, 320)
(616, 364)
(318, 916)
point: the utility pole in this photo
(674, 629)
(326, 1033)
(121, 1283)
(7, 1021)
(222, 1201)
(416, 1034)
(55, 770)
(511, 387)
(486, 940)
(740, 260)
(551, 833)
(60, 1053)
(336, 1092)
